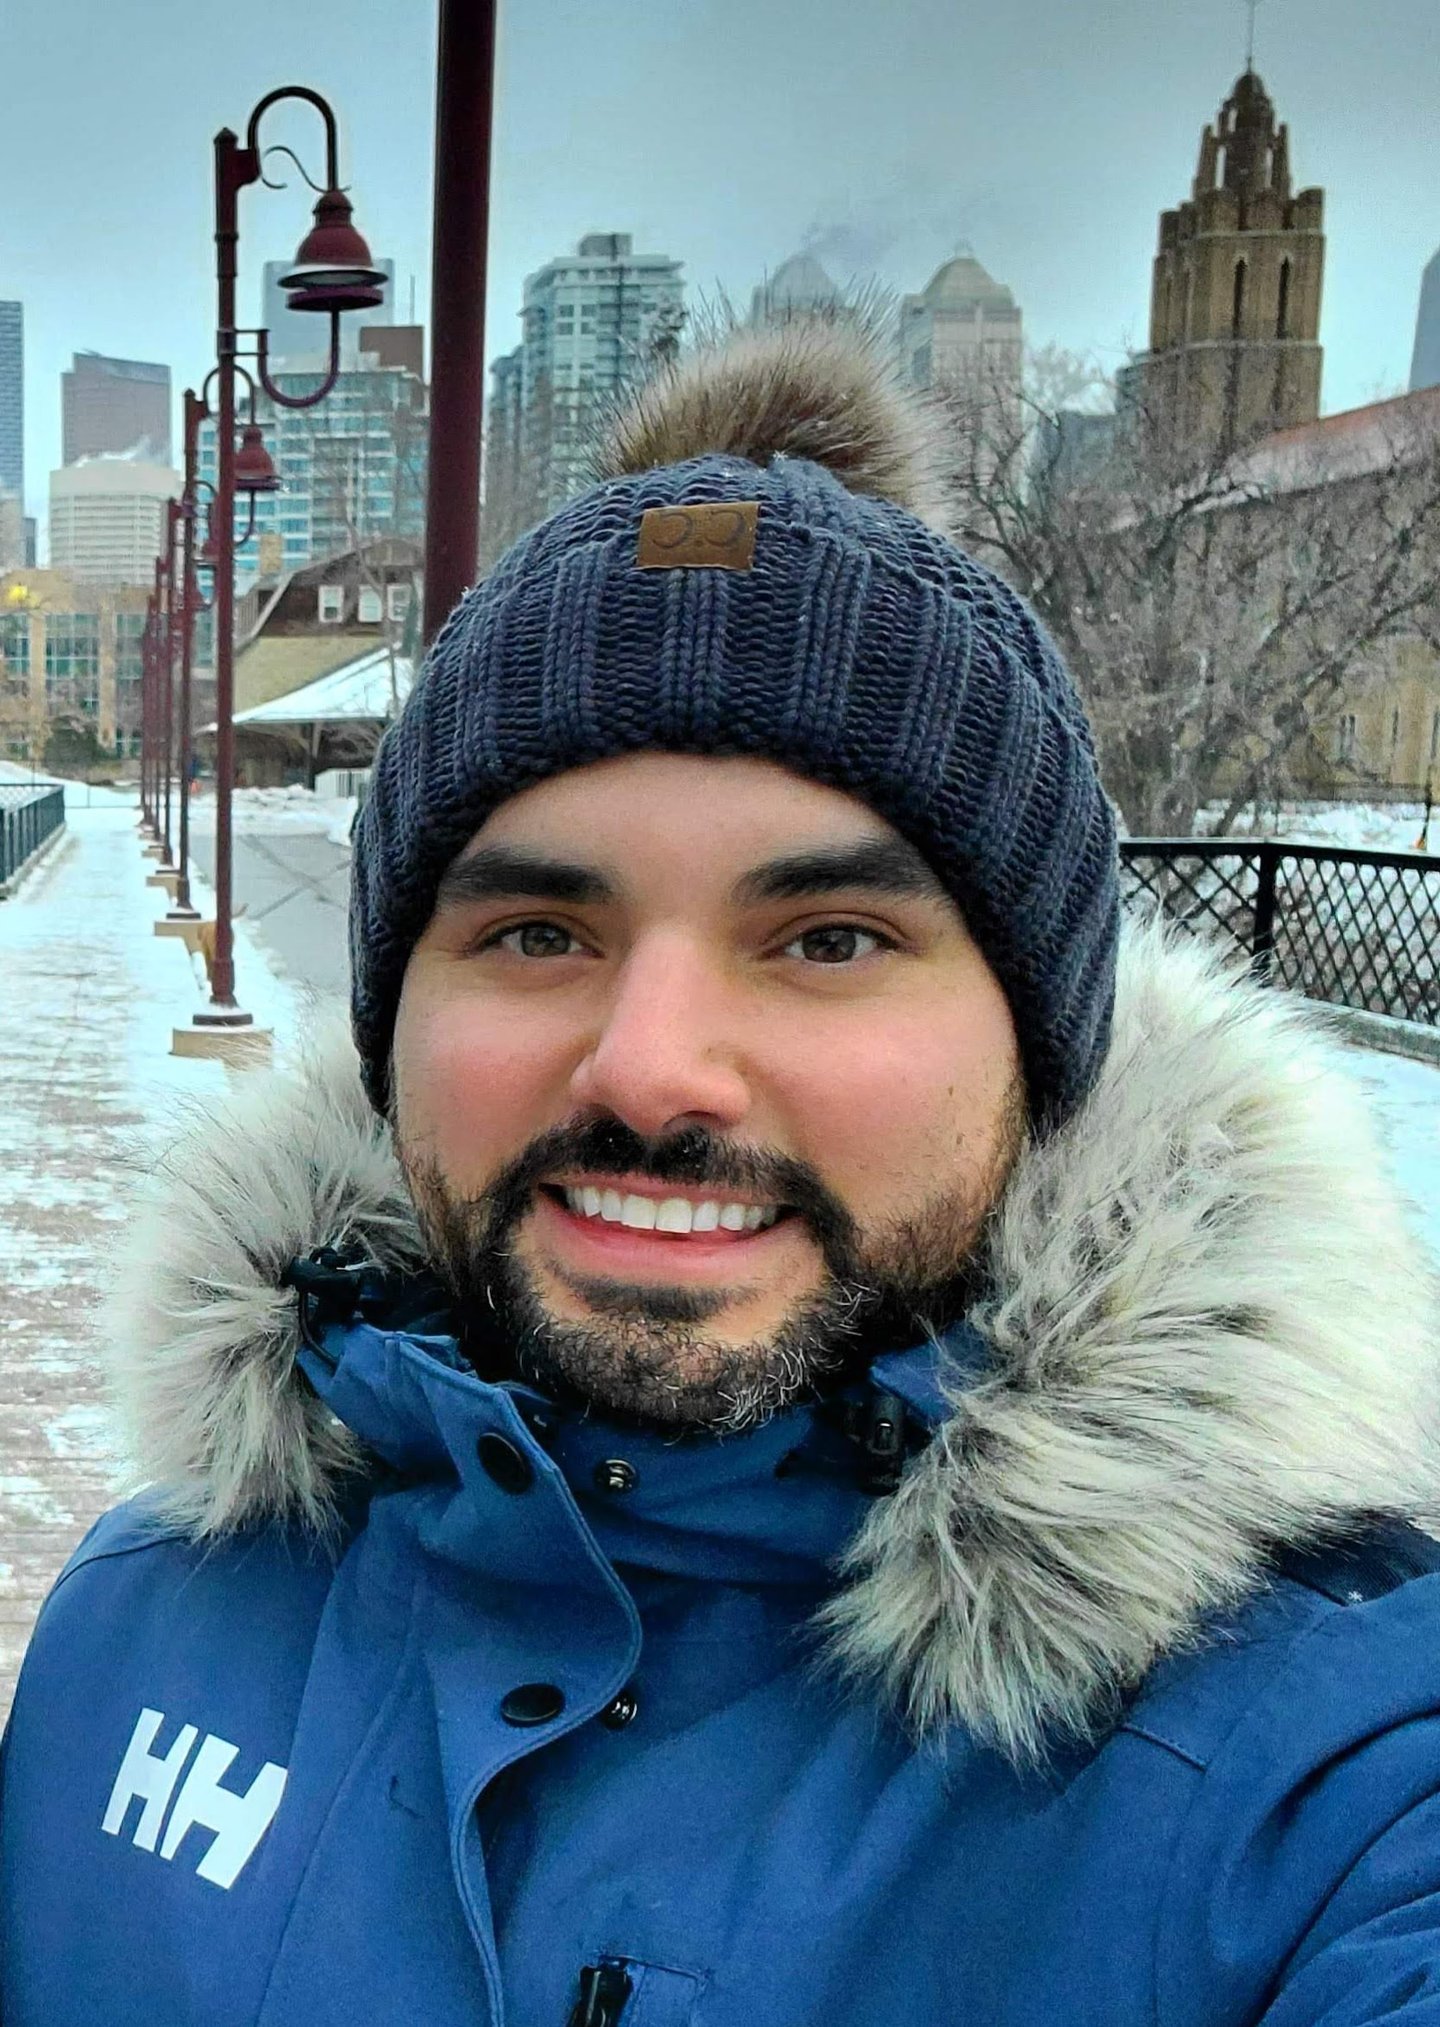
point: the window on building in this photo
(15, 649)
(1237, 308)
(397, 604)
(1394, 732)
(72, 662)
(372, 608)
(1434, 737)
(1345, 745)
(332, 604)
(1282, 315)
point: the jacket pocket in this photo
(616, 1991)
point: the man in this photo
(782, 1449)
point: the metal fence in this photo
(28, 816)
(1355, 928)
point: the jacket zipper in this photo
(604, 1992)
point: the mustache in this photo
(694, 1156)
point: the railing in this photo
(1355, 928)
(28, 816)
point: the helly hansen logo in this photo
(237, 1822)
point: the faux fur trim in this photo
(807, 388)
(1212, 1332)
(202, 1337)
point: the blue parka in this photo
(1082, 1668)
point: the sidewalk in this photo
(88, 998)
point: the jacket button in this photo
(615, 1475)
(532, 1703)
(510, 1468)
(615, 1716)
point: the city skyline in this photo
(1054, 165)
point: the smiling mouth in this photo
(667, 1216)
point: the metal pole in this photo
(464, 97)
(145, 724)
(165, 642)
(223, 1010)
(1262, 952)
(194, 411)
(148, 719)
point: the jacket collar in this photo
(773, 1507)
(1211, 1333)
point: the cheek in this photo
(473, 1090)
(892, 1112)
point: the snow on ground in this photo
(89, 998)
(1383, 827)
(1405, 1097)
(279, 809)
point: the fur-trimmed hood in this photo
(1211, 1332)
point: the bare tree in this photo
(1215, 609)
(341, 462)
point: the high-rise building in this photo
(1425, 359)
(351, 468)
(799, 286)
(1235, 302)
(12, 399)
(109, 407)
(303, 335)
(963, 332)
(593, 321)
(107, 519)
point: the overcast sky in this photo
(1048, 134)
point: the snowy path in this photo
(88, 998)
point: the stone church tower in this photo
(1235, 306)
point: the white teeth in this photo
(672, 1214)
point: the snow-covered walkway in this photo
(89, 996)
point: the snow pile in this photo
(1362, 826)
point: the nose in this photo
(664, 1055)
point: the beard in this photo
(643, 1352)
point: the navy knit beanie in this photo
(753, 577)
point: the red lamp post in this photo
(147, 721)
(333, 272)
(464, 96)
(189, 603)
(165, 685)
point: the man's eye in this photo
(836, 943)
(534, 939)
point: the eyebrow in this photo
(502, 873)
(886, 866)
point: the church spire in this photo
(1235, 308)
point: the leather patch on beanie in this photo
(707, 535)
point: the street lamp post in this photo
(464, 96)
(150, 728)
(165, 687)
(195, 412)
(333, 273)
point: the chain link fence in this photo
(1351, 927)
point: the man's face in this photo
(699, 1083)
